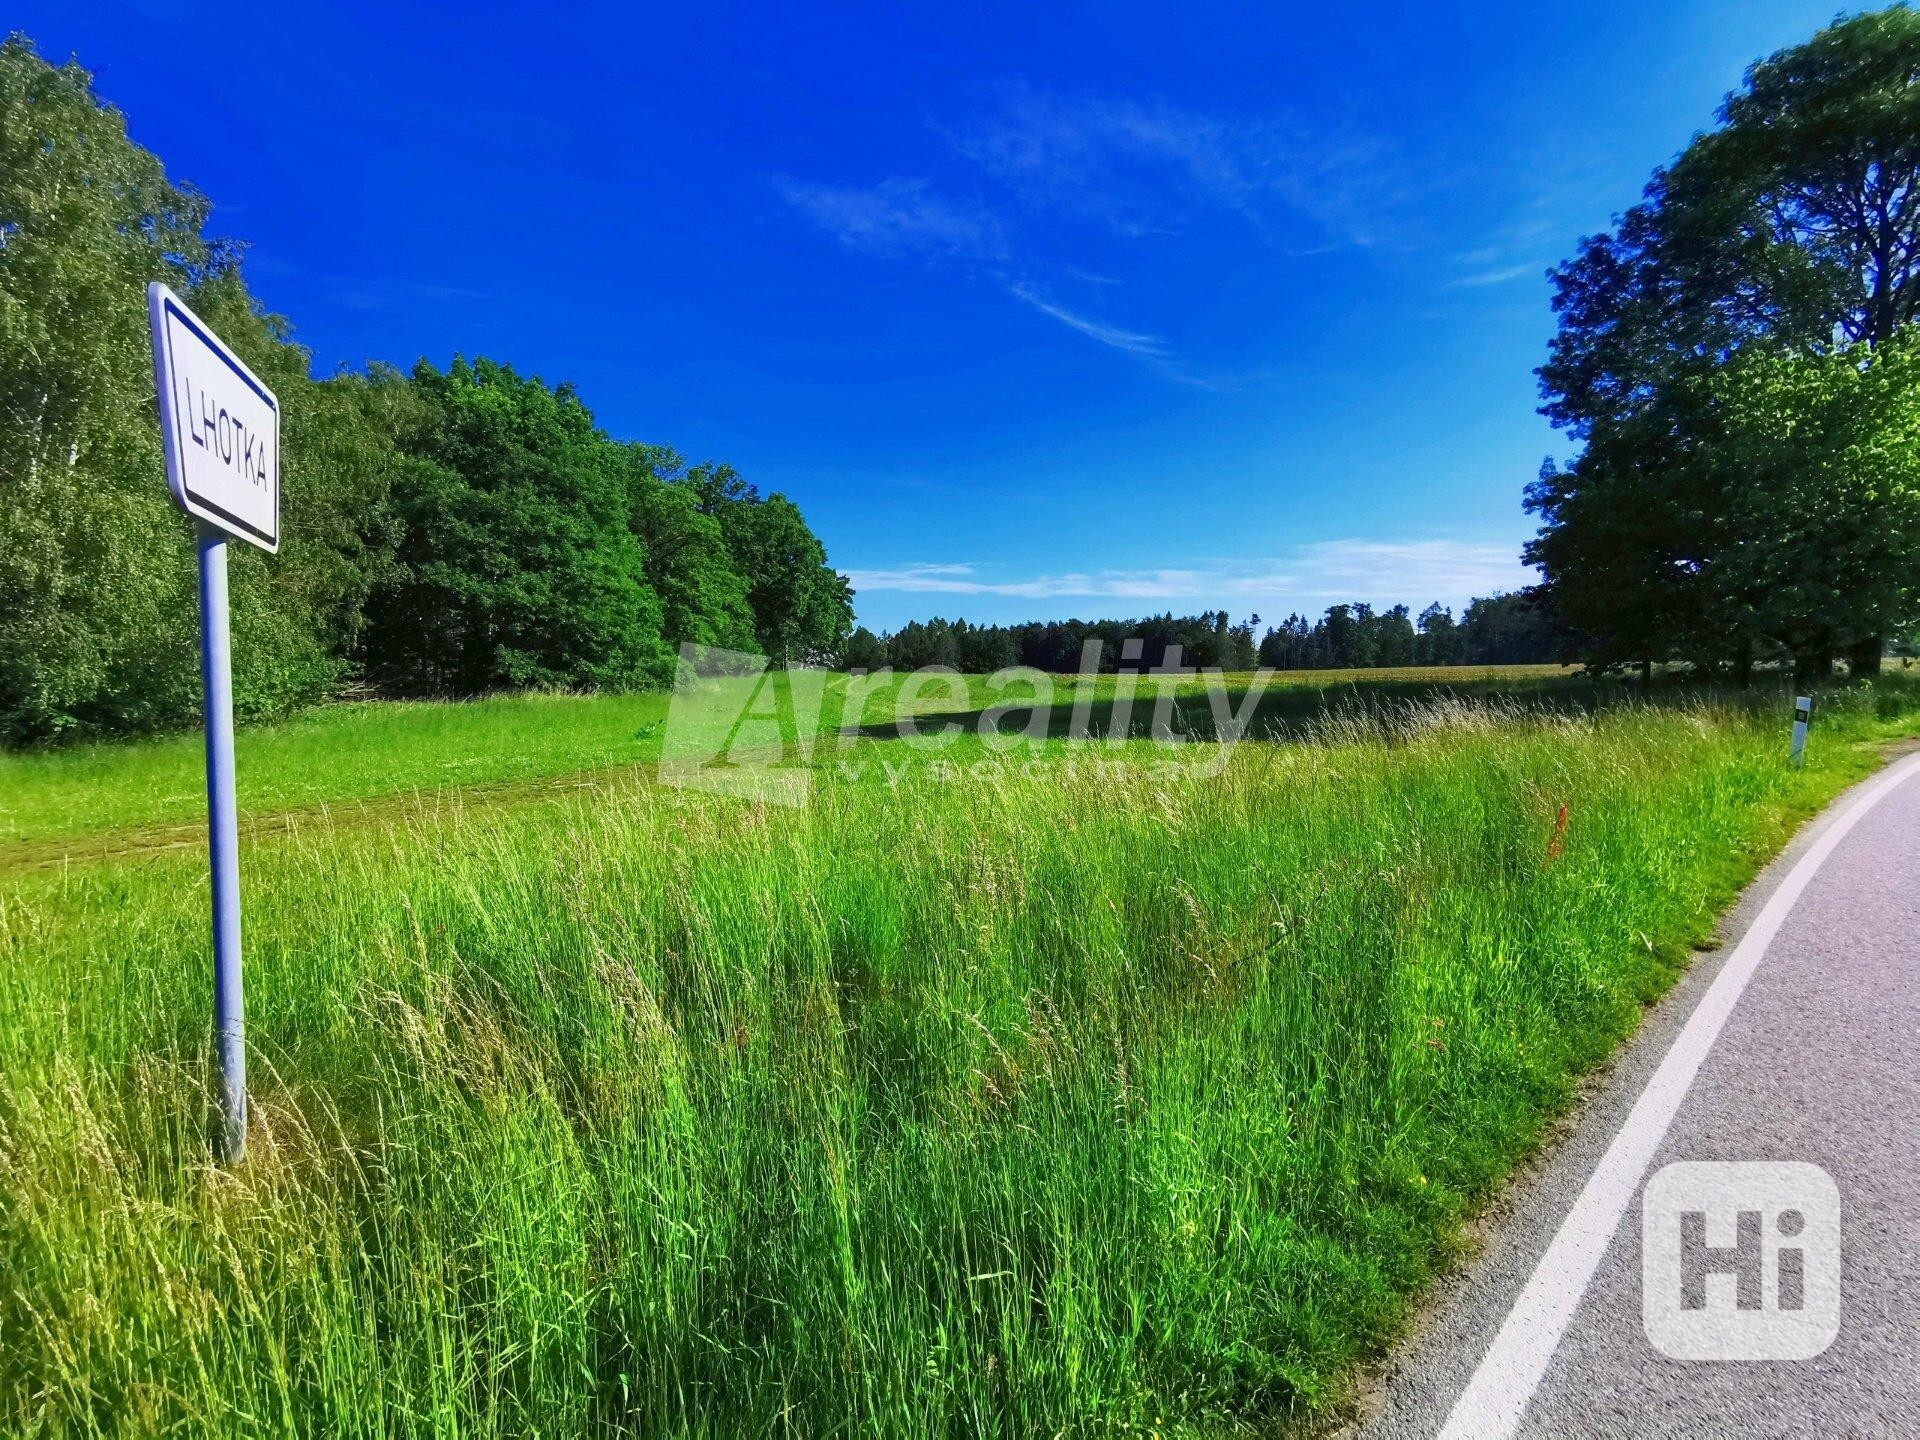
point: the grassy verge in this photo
(1062, 1099)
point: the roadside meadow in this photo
(975, 1051)
(966, 1098)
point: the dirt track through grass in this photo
(138, 841)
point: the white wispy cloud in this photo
(1440, 567)
(1150, 350)
(1145, 166)
(1168, 584)
(898, 216)
(1386, 571)
(1146, 347)
(1135, 167)
(902, 217)
(1513, 251)
(1497, 275)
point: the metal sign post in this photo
(223, 844)
(220, 429)
(1802, 717)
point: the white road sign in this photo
(219, 424)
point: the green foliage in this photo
(1209, 640)
(802, 609)
(97, 601)
(1793, 227)
(97, 608)
(865, 651)
(1494, 630)
(447, 534)
(703, 598)
(518, 564)
(1814, 460)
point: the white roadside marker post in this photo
(1802, 717)
(220, 429)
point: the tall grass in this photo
(1061, 1100)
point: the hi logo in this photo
(1740, 1261)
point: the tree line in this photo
(1495, 630)
(1737, 363)
(446, 531)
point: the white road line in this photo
(1496, 1398)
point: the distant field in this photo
(332, 755)
(1051, 1098)
(354, 752)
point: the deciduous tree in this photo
(1794, 226)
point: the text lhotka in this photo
(212, 428)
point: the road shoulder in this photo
(1413, 1388)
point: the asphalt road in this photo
(1799, 1042)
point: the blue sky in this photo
(1034, 310)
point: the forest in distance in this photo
(1510, 629)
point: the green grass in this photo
(338, 754)
(1050, 1098)
(362, 752)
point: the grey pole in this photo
(223, 846)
